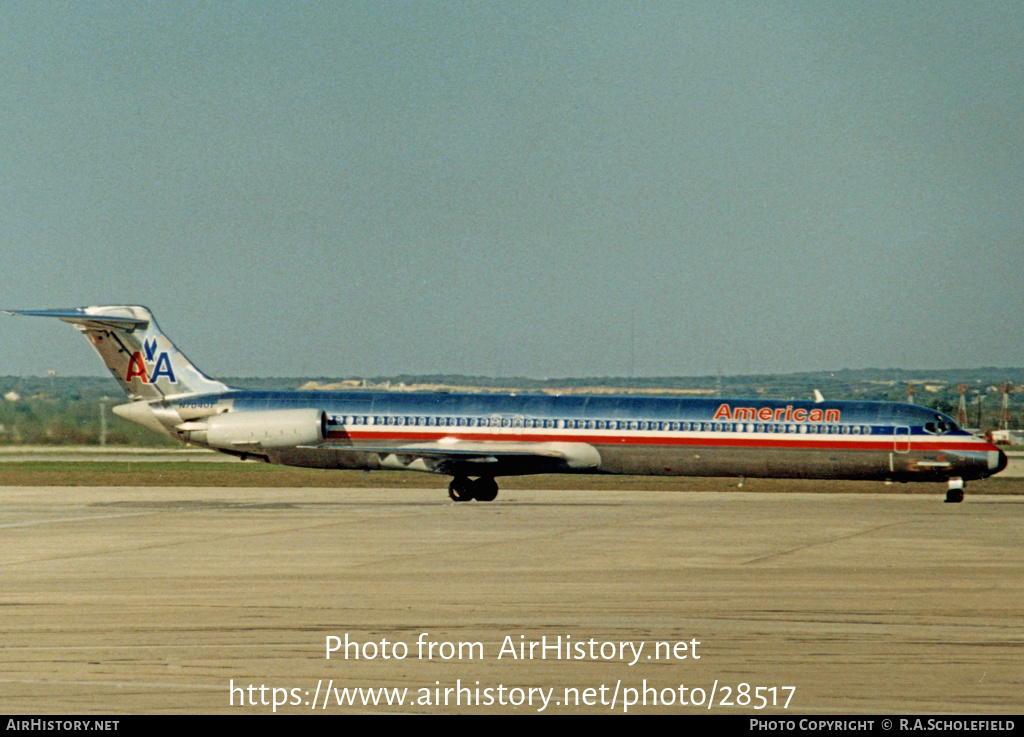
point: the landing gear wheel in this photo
(485, 490)
(460, 489)
(955, 495)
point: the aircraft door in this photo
(901, 439)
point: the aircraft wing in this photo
(477, 458)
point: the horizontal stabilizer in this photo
(78, 316)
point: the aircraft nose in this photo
(997, 461)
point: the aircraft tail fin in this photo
(142, 359)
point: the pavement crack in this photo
(798, 548)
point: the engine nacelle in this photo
(239, 431)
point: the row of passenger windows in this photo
(641, 425)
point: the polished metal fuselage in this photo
(628, 435)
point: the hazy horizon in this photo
(518, 189)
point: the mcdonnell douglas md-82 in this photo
(475, 438)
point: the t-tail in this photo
(142, 359)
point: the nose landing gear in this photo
(955, 494)
(483, 489)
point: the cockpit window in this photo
(940, 425)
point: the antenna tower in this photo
(1004, 414)
(961, 412)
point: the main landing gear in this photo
(483, 489)
(955, 494)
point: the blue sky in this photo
(523, 188)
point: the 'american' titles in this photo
(777, 414)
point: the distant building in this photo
(1008, 437)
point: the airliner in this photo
(476, 438)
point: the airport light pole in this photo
(103, 420)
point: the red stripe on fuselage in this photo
(884, 443)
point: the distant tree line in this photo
(76, 410)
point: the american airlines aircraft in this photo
(477, 437)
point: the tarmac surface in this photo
(175, 600)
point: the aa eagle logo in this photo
(158, 360)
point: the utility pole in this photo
(1004, 414)
(103, 420)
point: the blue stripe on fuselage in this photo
(881, 416)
